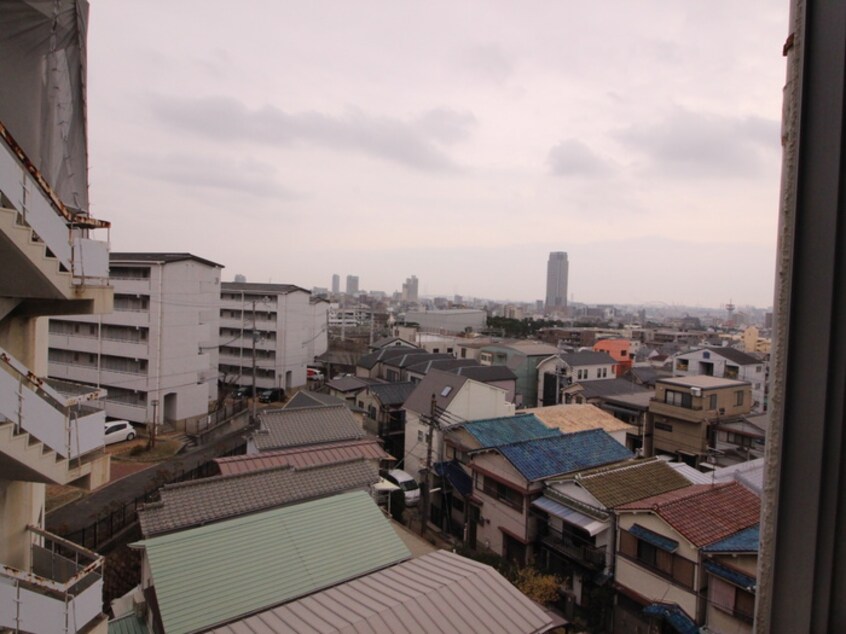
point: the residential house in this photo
(272, 557)
(369, 449)
(452, 508)
(451, 399)
(286, 328)
(286, 428)
(199, 502)
(731, 565)
(581, 417)
(438, 592)
(659, 569)
(496, 375)
(631, 409)
(685, 411)
(726, 363)
(621, 350)
(576, 530)
(507, 478)
(54, 261)
(397, 367)
(562, 370)
(347, 388)
(370, 364)
(523, 358)
(384, 404)
(417, 371)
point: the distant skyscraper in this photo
(240, 279)
(409, 289)
(557, 270)
(352, 284)
(336, 284)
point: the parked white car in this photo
(408, 484)
(118, 431)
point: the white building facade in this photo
(290, 331)
(156, 354)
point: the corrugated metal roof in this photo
(571, 516)
(579, 417)
(307, 456)
(207, 500)
(282, 428)
(128, 624)
(440, 592)
(565, 453)
(505, 430)
(214, 574)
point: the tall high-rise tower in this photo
(352, 284)
(336, 284)
(557, 270)
(409, 289)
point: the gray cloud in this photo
(487, 61)
(410, 143)
(573, 158)
(689, 143)
(241, 176)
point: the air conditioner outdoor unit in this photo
(721, 411)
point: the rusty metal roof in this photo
(299, 457)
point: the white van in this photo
(408, 484)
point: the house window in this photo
(728, 598)
(681, 365)
(739, 439)
(666, 564)
(712, 401)
(738, 398)
(679, 399)
(664, 427)
(503, 493)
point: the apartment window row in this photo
(129, 272)
(127, 397)
(246, 315)
(132, 303)
(501, 492)
(246, 371)
(89, 360)
(663, 562)
(130, 334)
(232, 333)
(133, 334)
(247, 352)
(74, 328)
(261, 300)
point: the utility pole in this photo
(255, 337)
(152, 442)
(427, 498)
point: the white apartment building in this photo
(290, 331)
(156, 354)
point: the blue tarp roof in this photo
(745, 541)
(546, 457)
(495, 432)
(456, 476)
(732, 576)
(656, 539)
(674, 616)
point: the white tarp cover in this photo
(42, 100)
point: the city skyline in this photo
(464, 158)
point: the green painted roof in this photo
(128, 624)
(213, 574)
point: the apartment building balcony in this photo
(138, 286)
(579, 550)
(61, 591)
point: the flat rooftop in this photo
(705, 382)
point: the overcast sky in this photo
(458, 141)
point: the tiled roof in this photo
(494, 432)
(282, 428)
(529, 348)
(674, 615)
(486, 373)
(348, 383)
(303, 399)
(214, 574)
(207, 500)
(630, 481)
(703, 513)
(397, 342)
(435, 382)
(392, 393)
(450, 364)
(745, 541)
(735, 356)
(579, 417)
(587, 357)
(564, 453)
(370, 360)
(731, 575)
(416, 357)
(439, 592)
(600, 388)
(307, 456)
(128, 624)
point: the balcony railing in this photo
(572, 547)
(62, 591)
